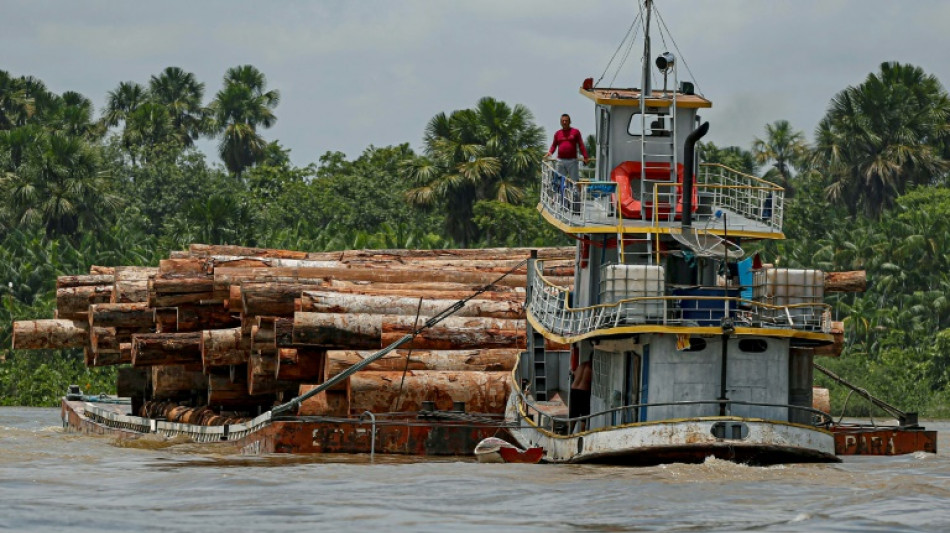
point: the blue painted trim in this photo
(645, 382)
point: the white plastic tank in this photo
(790, 287)
(620, 282)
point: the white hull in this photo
(682, 440)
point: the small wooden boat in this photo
(495, 450)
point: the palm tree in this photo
(882, 136)
(490, 152)
(14, 103)
(59, 187)
(783, 148)
(181, 94)
(239, 108)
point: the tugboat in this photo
(693, 348)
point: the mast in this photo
(647, 82)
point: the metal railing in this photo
(759, 204)
(224, 433)
(743, 194)
(608, 417)
(581, 202)
(550, 305)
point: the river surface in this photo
(51, 480)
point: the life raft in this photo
(624, 175)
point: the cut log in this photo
(274, 299)
(455, 360)
(224, 277)
(204, 250)
(102, 270)
(131, 284)
(103, 340)
(122, 315)
(851, 281)
(262, 376)
(300, 364)
(380, 392)
(84, 280)
(74, 302)
(326, 403)
(828, 350)
(338, 330)
(223, 347)
(330, 302)
(166, 349)
(457, 333)
(177, 382)
(49, 334)
(361, 331)
(201, 317)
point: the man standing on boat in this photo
(566, 141)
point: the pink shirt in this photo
(566, 143)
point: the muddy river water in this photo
(51, 480)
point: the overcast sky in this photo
(358, 72)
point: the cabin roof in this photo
(631, 98)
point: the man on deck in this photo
(566, 141)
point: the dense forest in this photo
(126, 185)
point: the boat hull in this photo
(761, 442)
(418, 436)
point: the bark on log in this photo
(361, 331)
(123, 315)
(177, 381)
(74, 302)
(203, 250)
(330, 302)
(166, 349)
(455, 360)
(49, 334)
(224, 277)
(326, 403)
(262, 375)
(300, 364)
(272, 299)
(338, 330)
(84, 280)
(103, 340)
(190, 318)
(851, 281)
(102, 270)
(131, 284)
(223, 347)
(380, 392)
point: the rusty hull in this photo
(850, 440)
(422, 436)
(409, 436)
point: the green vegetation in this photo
(128, 187)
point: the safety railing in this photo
(631, 413)
(755, 204)
(550, 305)
(580, 202)
(748, 196)
(223, 433)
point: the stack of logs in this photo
(237, 329)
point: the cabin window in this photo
(696, 344)
(753, 345)
(649, 125)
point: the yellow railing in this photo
(759, 204)
(550, 305)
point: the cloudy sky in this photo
(356, 73)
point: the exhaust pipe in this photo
(689, 157)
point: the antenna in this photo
(647, 82)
